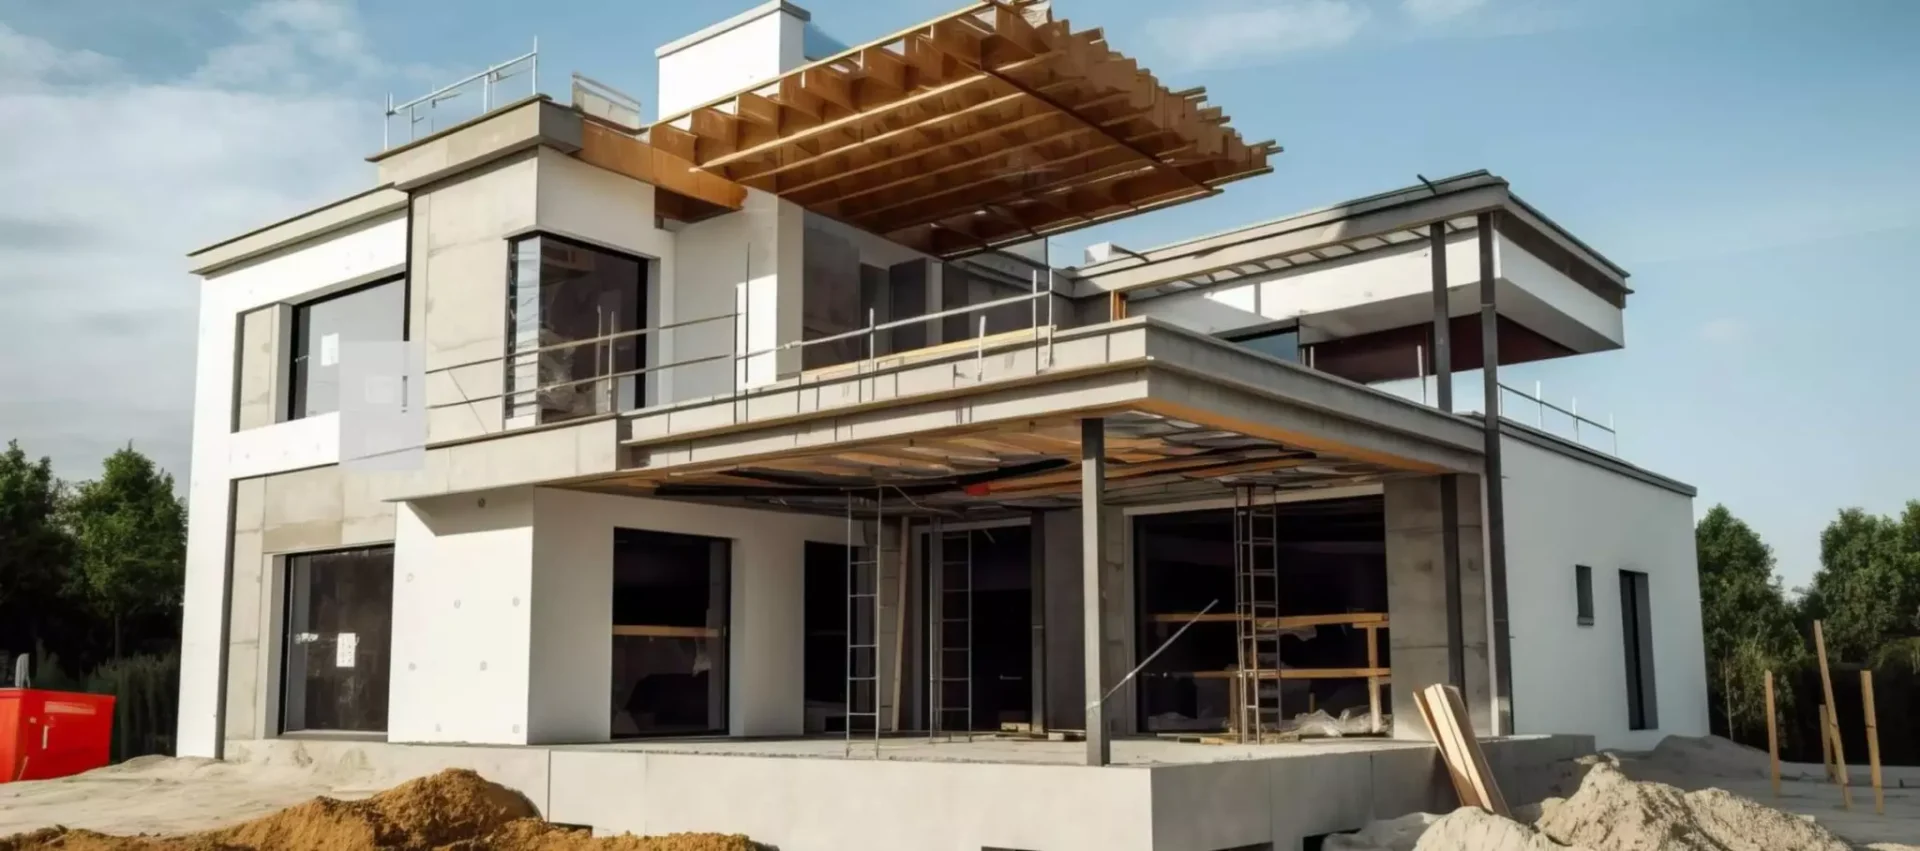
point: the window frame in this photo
(1242, 336)
(645, 297)
(296, 341)
(1583, 594)
(283, 634)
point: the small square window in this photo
(1583, 591)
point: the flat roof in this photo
(1341, 230)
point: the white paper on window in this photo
(344, 649)
(329, 349)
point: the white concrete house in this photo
(772, 430)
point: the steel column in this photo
(1093, 540)
(1495, 520)
(1442, 319)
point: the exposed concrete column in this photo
(1418, 594)
(1037, 594)
(1066, 700)
(1496, 502)
(1442, 319)
(1093, 569)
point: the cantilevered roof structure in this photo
(992, 125)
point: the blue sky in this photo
(1753, 163)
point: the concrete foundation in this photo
(990, 793)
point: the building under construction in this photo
(760, 469)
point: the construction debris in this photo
(454, 810)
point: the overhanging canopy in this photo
(992, 125)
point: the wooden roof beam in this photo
(920, 167)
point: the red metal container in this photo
(46, 734)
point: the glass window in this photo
(1583, 594)
(561, 292)
(338, 641)
(1284, 345)
(670, 608)
(370, 314)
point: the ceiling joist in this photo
(985, 127)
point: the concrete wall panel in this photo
(364, 249)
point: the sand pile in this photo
(455, 810)
(1609, 812)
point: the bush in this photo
(146, 691)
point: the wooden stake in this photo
(1833, 722)
(1826, 744)
(1873, 742)
(1373, 683)
(1773, 738)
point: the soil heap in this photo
(454, 810)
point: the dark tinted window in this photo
(561, 292)
(338, 641)
(1284, 345)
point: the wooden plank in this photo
(1833, 723)
(1773, 738)
(621, 153)
(1373, 683)
(1360, 619)
(1462, 786)
(900, 616)
(1873, 741)
(1294, 674)
(1483, 779)
(657, 631)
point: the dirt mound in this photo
(455, 810)
(1613, 812)
(1476, 829)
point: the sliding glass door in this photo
(670, 607)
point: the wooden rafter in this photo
(986, 126)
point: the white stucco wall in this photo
(462, 600)
(298, 273)
(761, 246)
(573, 545)
(749, 48)
(1567, 678)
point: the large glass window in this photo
(1283, 344)
(564, 299)
(376, 313)
(669, 633)
(338, 641)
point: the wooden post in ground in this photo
(1773, 738)
(1826, 744)
(1833, 721)
(1873, 742)
(1373, 683)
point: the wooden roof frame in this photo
(992, 125)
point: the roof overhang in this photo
(1340, 232)
(992, 125)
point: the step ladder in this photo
(863, 621)
(1256, 607)
(950, 648)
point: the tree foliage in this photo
(1867, 590)
(130, 541)
(1748, 623)
(34, 549)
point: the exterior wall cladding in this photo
(501, 597)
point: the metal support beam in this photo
(1450, 561)
(1037, 578)
(1495, 521)
(1442, 319)
(1093, 538)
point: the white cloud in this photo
(1724, 331)
(109, 182)
(1431, 11)
(1252, 33)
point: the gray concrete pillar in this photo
(1066, 701)
(1417, 599)
(1093, 566)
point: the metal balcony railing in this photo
(603, 383)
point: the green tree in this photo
(1748, 623)
(130, 535)
(1867, 590)
(34, 550)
